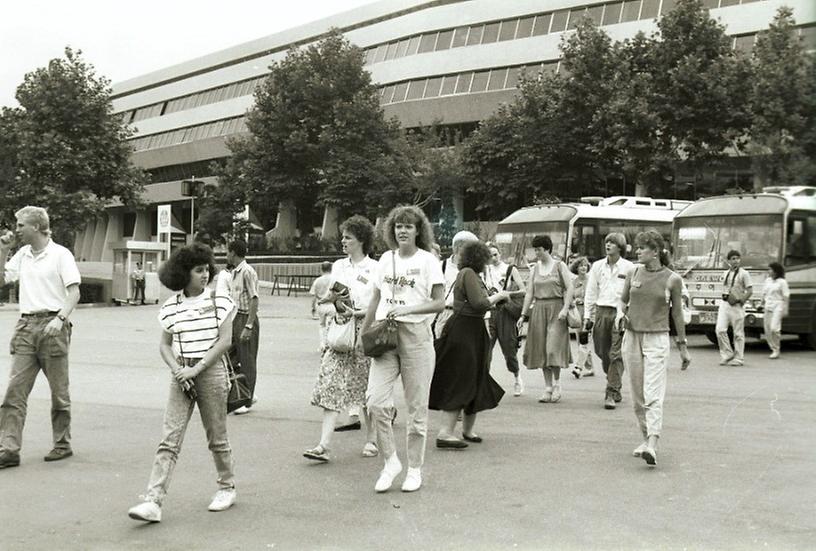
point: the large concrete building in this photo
(448, 61)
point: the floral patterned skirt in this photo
(343, 379)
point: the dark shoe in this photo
(8, 459)
(618, 398)
(57, 454)
(450, 444)
(473, 438)
(350, 426)
(649, 456)
(609, 403)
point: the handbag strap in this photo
(507, 276)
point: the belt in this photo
(448, 307)
(40, 314)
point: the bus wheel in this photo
(808, 339)
(711, 336)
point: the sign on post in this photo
(165, 224)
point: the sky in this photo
(127, 39)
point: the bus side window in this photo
(801, 239)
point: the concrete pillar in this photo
(113, 234)
(141, 232)
(459, 210)
(79, 241)
(330, 228)
(99, 238)
(286, 223)
(87, 242)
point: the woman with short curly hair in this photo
(409, 289)
(197, 331)
(461, 379)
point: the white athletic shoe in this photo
(413, 480)
(392, 468)
(148, 511)
(223, 500)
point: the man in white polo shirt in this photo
(49, 292)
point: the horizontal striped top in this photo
(194, 321)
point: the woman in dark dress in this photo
(461, 379)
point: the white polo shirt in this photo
(44, 279)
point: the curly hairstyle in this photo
(175, 273)
(362, 230)
(474, 255)
(408, 214)
(577, 263)
(777, 269)
(543, 241)
(652, 239)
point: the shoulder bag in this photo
(342, 336)
(574, 320)
(239, 394)
(381, 336)
(513, 305)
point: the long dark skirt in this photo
(461, 377)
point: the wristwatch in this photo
(62, 318)
(248, 326)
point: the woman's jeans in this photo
(212, 388)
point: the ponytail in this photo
(665, 259)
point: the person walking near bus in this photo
(737, 288)
(245, 326)
(49, 292)
(343, 376)
(138, 277)
(197, 330)
(579, 266)
(409, 288)
(603, 292)
(775, 302)
(547, 346)
(450, 270)
(499, 276)
(650, 293)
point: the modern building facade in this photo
(451, 62)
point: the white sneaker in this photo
(223, 500)
(518, 387)
(148, 511)
(413, 480)
(392, 468)
(774, 355)
(556, 393)
(637, 452)
(241, 410)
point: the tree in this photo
(783, 100)
(64, 149)
(318, 136)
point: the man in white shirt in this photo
(49, 292)
(737, 288)
(450, 269)
(604, 288)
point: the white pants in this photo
(773, 325)
(646, 358)
(735, 317)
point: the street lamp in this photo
(191, 188)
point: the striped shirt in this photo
(194, 321)
(244, 286)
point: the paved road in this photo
(736, 463)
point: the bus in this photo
(580, 228)
(777, 225)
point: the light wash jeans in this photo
(413, 360)
(646, 356)
(32, 352)
(212, 388)
(735, 317)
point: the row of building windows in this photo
(185, 171)
(191, 101)
(223, 127)
(609, 13)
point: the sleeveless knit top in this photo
(550, 285)
(649, 300)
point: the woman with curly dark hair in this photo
(343, 377)
(409, 289)
(197, 331)
(776, 303)
(461, 379)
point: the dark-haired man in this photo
(737, 288)
(49, 292)
(245, 327)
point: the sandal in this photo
(318, 453)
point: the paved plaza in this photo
(736, 464)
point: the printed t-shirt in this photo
(415, 278)
(193, 321)
(359, 278)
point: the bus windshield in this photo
(516, 247)
(705, 242)
(588, 235)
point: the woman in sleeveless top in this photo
(197, 331)
(650, 291)
(547, 345)
(461, 379)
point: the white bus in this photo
(778, 225)
(580, 228)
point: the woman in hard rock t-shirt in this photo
(409, 288)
